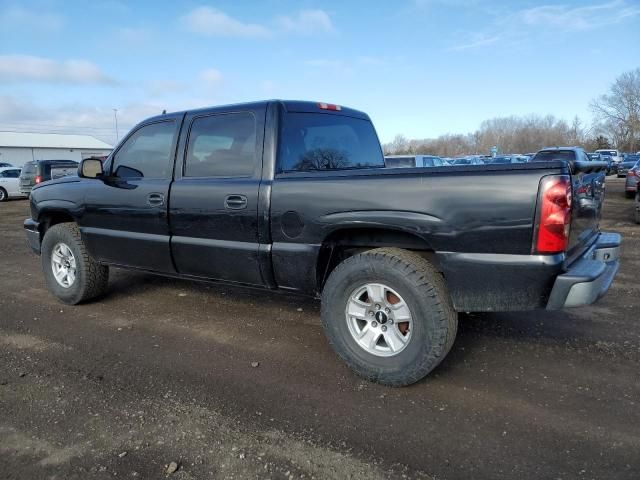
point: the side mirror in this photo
(90, 168)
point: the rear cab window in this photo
(611, 153)
(321, 141)
(550, 155)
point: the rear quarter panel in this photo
(477, 209)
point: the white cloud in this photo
(212, 22)
(306, 22)
(23, 114)
(479, 40)
(577, 18)
(557, 19)
(211, 77)
(21, 68)
(18, 17)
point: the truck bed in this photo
(468, 216)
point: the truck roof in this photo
(297, 106)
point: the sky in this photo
(420, 68)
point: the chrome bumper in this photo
(590, 277)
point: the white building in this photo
(17, 148)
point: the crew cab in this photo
(294, 196)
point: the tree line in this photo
(616, 123)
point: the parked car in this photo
(505, 159)
(396, 161)
(465, 161)
(9, 183)
(596, 157)
(632, 180)
(615, 155)
(295, 196)
(568, 154)
(5, 164)
(613, 167)
(39, 171)
(628, 163)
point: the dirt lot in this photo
(161, 371)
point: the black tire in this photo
(4, 196)
(637, 210)
(91, 278)
(423, 289)
(630, 194)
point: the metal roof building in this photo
(17, 148)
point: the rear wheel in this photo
(3, 195)
(388, 315)
(70, 272)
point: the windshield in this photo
(29, 169)
(317, 141)
(612, 153)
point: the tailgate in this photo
(588, 195)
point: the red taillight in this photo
(632, 173)
(329, 106)
(38, 178)
(554, 218)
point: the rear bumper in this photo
(32, 229)
(631, 185)
(588, 278)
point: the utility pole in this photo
(115, 117)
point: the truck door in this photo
(125, 220)
(214, 198)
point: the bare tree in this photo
(322, 159)
(618, 111)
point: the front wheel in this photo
(388, 315)
(4, 196)
(70, 272)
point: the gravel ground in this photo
(216, 382)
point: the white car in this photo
(9, 183)
(615, 155)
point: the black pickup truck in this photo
(294, 196)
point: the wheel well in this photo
(49, 219)
(345, 243)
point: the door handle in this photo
(235, 202)
(155, 199)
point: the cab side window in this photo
(222, 145)
(148, 153)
